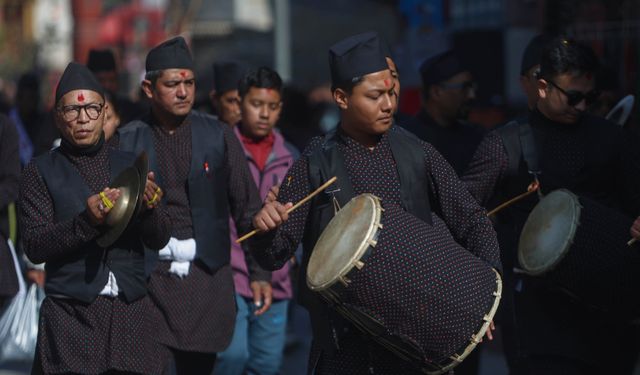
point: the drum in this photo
(581, 247)
(427, 300)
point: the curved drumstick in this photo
(534, 186)
(300, 203)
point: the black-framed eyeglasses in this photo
(466, 85)
(576, 97)
(72, 112)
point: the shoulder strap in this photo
(529, 151)
(511, 141)
(325, 162)
(415, 179)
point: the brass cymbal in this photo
(117, 220)
(142, 165)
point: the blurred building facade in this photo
(293, 36)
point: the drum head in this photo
(548, 233)
(344, 241)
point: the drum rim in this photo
(370, 236)
(549, 266)
(456, 359)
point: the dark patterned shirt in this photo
(456, 143)
(174, 162)
(108, 333)
(45, 239)
(592, 158)
(439, 254)
(197, 313)
(465, 220)
(174, 158)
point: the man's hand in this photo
(98, 205)
(490, 330)
(635, 229)
(272, 195)
(36, 276)
(152, 192)
(262, 296)
(271, 216)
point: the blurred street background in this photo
(39, 37)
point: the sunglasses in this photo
(576, 97)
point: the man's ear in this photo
(435, 91)
(542, 88)
(341, 98)
(147, 87)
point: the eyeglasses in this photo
(576, 97)
(72, 112)
(466, 85)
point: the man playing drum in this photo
(594, 159)
(427, 213)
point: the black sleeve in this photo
(273, 249)
(155, 228)
(486, 169)
(43, 238)
(466, 220)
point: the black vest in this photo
(207, 191)
(84, 274)
(326, 162)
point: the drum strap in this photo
(416, 192)
(529, 151)
(519, 143)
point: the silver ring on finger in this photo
(100, 207)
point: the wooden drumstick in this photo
(533, 187)
(632, 241)
(300, 203)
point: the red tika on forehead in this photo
(386, 83)
(81, 97)
(183, 74)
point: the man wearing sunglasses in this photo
(448, 89)
(561, 147)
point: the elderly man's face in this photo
(80, 117)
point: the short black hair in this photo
(263, 78)
(565, 56)
(347, 86)
(108, 97)
(153, 76)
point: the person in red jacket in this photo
(259, 336)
